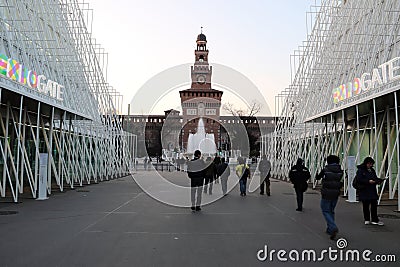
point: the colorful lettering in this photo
(342, 92)
(347, 90)
(356, 86)
(24, 75)
(19, 73)
(336, 95)
(3, 64)
(14, 70)
(32, 79)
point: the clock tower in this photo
(200, 101)
(201, 70)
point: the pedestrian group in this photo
(203, 173)
(331, 177)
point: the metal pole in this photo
(398, 148)
(50, 152)
(358, 135)
(24, 159)
(17, 181)
(388, 149)
(37, 143)
(6, 150)
(61, 152)
(376, 136)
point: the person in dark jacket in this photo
(265, 173)
(367, 178)
(331, 176)
(299, 176)
(196, 169)
(223, 171)
(209, 175)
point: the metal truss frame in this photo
(347, 39)
(83, 134)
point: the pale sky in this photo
(254, 37)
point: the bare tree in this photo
(253, 109)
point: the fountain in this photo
(201, 141)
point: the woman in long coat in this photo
(367, 194)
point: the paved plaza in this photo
(115, 223)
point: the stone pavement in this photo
(115, 223)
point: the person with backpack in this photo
(223, 172)
(196, 174)
(299, 176)
(367, 180)
(243, 172)
(265, 173)
(331, 176)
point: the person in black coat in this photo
(223, 171)
(331, 176)
(210, 174)
(367, 178)
(196, 174)
(265, 173)
(299, 176)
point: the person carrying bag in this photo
(243, 172)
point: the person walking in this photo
(181, 164)
(367, 178)
(145, 163)
(196, 173)
(243, 172)
(217, 162)
(223, 172)
(299, 176)
(264, 168)
(185, 166)
(209, 175)
(331, 176)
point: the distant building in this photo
(171, 131)
(153, 136)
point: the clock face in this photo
(201, 79)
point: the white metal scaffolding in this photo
(320, 115)
(81, 132)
